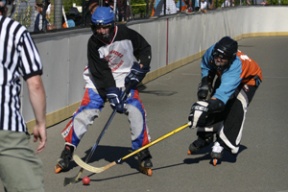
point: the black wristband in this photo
(216, 105)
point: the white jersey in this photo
(120, 60)
(109, 63)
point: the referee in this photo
(20, 169)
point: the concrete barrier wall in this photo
(176, 40)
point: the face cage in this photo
(100, 25)
(101, 37)
(220, 55)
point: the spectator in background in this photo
(48, 10)
(228, 3)
(128, 10)
(211, 4)
(159, 7)
(38, 23)
(190, 7)
(75, 15)
(203, 6)
(196, 5)
(92, 6)
(121, 10)
(183, 5)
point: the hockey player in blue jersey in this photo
(223, 101)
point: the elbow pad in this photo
(215, 106)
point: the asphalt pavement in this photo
(259, 167)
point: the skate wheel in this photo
(146, 171)
(189, 152)
(149, 172)
(214, 162)
(57, 169)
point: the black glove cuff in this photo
(215, 106)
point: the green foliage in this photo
(276, 2)
(69, 3)
(23, 15)
(138, 6)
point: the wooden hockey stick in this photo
(92, 169)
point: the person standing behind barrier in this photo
(112, 66)
(223, 102)
(203, 6)
(183, 5)
(159, 7)
(20, 169)
(38, 23)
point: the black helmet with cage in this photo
(226, 48)
(7, 7)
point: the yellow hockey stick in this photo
(92, 169)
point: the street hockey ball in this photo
(86, 180)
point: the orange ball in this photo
(86, 180)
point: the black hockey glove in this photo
(198, 114)
(204, 89)
(201, 114)
(136, 75)
(113, 95)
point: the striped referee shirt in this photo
(19, 57)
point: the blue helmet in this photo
(103, 16)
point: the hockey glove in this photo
(136, 75)
(198, 114)
(113, 95)
(204, 90)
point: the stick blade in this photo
(86, 166)
(70, 180)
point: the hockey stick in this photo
(92, 169)
(64, 15)
(76, 178)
